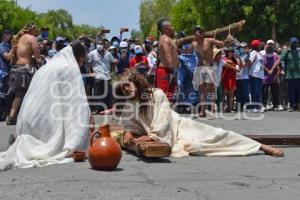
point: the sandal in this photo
(11, 121)
(11, 139)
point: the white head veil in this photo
(54, 116)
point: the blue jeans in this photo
(256, 92)
(242, 93)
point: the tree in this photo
(277, 19)
(15, 17)
(59, 21)
(151, 11)
(136, 34)
(184, 15)
(84, 29)
(265, 19)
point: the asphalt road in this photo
(202, 178)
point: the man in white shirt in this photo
(102, 63)
(256, 76)
(242, 93)
(152, 60)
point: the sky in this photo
(113, 14)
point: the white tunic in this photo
(185, 136)
(54, 116)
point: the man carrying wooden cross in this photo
(204, 75)
(203, 43)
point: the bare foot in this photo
(271, 151)
(202, 114)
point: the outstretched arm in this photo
(218, 43)
(185, 40)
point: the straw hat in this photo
(216, 52)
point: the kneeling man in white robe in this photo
(54, 118)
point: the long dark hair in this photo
(78, 49)
(233, 58)
(25, 30)
(144, 92)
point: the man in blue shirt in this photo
(5, 48)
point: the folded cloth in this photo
(204, 74)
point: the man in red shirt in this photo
(139, 62)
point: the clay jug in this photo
(104, 153)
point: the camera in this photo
(124, 29)
(105, 31)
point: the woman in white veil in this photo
(54, 119)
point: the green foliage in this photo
(59, 21)
(14, 17)
(136, 34)
(184, 15)
(261, 16)
(151, 11)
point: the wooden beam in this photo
(284, 140)
(150, 149)
(224, 31)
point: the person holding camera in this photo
(103, 64)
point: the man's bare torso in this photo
(168, 52)
(24, 50)
(205, 50)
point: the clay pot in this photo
(104, 153)
(78, 156)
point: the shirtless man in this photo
(168, 59)
(204, 77)
(24, 47)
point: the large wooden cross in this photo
(224, 31)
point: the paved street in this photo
(207, 178)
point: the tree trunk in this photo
(274, 36)
(274, 28)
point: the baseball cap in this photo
(216, 52)
(112, 47)
(45, 28)
(6, 31)
(59, 38)
(123, 44)
(294, 40)
(270, 42)
(132, 46)
(138, 49)
(82, 37)
(244, 44)
(115, 44)
(255, 43)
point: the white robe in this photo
(54, 116)
(185, 136)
